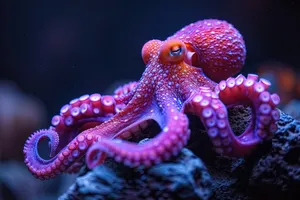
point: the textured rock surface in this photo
(278, 172)
(185, 177)
(272, 171)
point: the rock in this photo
(278, 172)
(184, 177)
(272, 171)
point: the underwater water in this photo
(128, 117)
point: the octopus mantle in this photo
(190, 72)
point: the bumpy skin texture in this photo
(174, 82)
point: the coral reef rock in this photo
(278, 172)
(184, 177)
(272, 171)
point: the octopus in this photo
(190, 72)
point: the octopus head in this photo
(213, 46)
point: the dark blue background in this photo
(58, 50)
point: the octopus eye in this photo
(172, 51)
(176, 51)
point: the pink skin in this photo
(173, 83)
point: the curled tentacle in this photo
(253, 92)
(45, 169)
(168, 143)
(213, 113)
(37, 137)
(65, 159)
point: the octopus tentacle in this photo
(92, 108)
(213, 113)
(45, 169)
(75, 167)
(126, 88)
(87, 108)
(76, 149)
(82, 113)
(169, 142)
(125, 93)
(254, 92)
